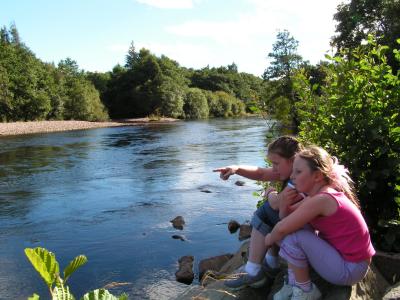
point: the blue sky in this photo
(195, 33)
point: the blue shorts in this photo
(265, 218)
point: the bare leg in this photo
(300, 274)
(257, 248)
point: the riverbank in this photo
(21, 128)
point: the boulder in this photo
(389, 265)
(393, 292)
(185, 272)
(213, 264)
(373, 286)
(244, 232)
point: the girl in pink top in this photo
(337, 244)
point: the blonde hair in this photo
(334, 173)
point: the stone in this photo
(393, 293)
(178, 222)
(213, 264)
(179, 237)
(185, 272)
(389, 265)
(373, 286)
(244, 232)
(233, 226)
(240, 183)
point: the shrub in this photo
(357, 118)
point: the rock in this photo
(185, 272)
(233, 226)
(240, 183)
(393, 292)
(178, 222)
(389, 265)
(178, 237)
(213, 264)
(373, 286)
(205, 191)
(244, 232)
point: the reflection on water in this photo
(109, 193)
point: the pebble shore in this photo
(19, 128)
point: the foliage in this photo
(46, 265)
(146, 85)
(356, 117)
(33, 90)
(195, 106)
(357, 19)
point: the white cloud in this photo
(250, 36)
(247, 38)
(168, 4)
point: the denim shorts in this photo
(265, 218)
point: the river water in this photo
(110, 193)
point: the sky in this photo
(195, 33)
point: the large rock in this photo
(393, 293)
(244, 232)
(373, 286)
(213, 264)
(185, 273)
(389, 265)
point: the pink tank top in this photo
(346, 230)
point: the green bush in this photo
(195, 106)
(356, 117)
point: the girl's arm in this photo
(308, 210)
(251, 172)
(288, 197)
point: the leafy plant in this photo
(46, 265)
(355, 116)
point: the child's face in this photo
(302, 176)
(281, 165)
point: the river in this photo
(110, 193)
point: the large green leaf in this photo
(100, 294)
(34, 297)
(62, 293)
(44, 262)
(73, 265)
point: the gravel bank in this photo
(18, 128)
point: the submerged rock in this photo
(179, 237)
(178, 222)
(233, 226)
(240, 183)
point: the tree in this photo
(285, 61)
(132, 57)
(195, 106)
(15, 39)
(284, 57)
(357, 19)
